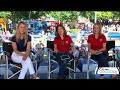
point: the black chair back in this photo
(110, 45)
(50, 45)
(7, 47)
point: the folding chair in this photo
(72, 67)
(111, 45)
(88, 65)
(69, 67)
(85, 61)
(52, 59)
(50, 70)
(71, 64)
(7, 50)
(50, 48)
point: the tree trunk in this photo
(13, 20)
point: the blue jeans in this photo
(62, 65)
(102, 60)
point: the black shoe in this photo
(67, 76)
(64, 77)
(59, 77)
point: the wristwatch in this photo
(98, 50)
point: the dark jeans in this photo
(102, 60)
(62, 65)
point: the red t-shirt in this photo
(97, 43)
(65, 47)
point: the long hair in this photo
(100, 28)
(57, 34)
(17, 34)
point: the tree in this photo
(104, 15)
(88, 14)
(116, 14)
(37, 14)
(64, 16)
(5, 14)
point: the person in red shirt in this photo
(97, 47)
(62, 45)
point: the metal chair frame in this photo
(51, 71)
(49, 64)
(7, 69)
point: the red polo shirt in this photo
(65, 47)
(97, 43)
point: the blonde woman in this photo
(97, 47)
(21, 43)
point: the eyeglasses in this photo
(63, 43)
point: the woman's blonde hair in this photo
(100, 28)
(17, 34)
(57, 34)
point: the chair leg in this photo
(74, 69)
(49, 64)
(6, 67)
(88, 64)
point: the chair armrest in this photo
(32, 55)
(33, 52)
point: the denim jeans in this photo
(62, 65)
(102, 60)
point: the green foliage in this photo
(37, 14)
(64, 16)
(104, 15)
(5, 14)
(74, 31)
(116, 14)
(88, 14)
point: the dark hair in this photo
(57, 34)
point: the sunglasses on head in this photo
(63, 43)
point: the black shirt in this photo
(20, 43)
